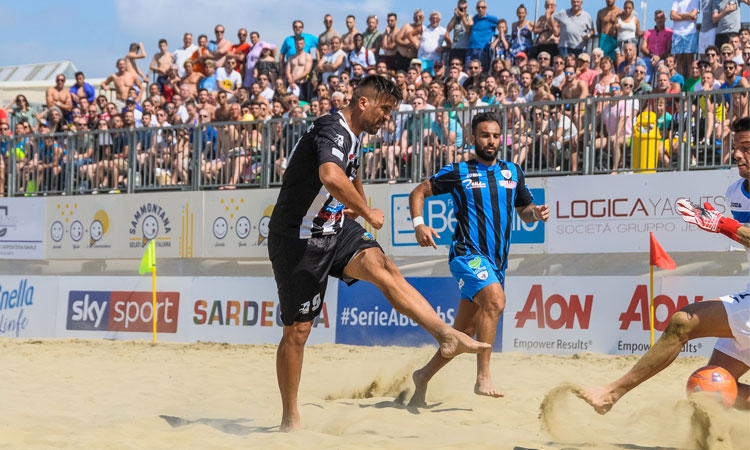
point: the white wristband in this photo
(417, 221)
(533, 214)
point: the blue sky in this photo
(94, 33)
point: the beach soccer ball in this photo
(714, 379)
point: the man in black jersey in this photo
(312, 235)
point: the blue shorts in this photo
(473, 273)
(685, 44)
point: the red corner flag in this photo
(659, 257)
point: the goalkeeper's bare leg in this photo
(697, 320)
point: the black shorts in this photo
(302, 266)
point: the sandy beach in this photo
(73, 394)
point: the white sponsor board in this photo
(209, 309)
(22, 228)
(567, 315)
(235, 223)
(118, 226)
(612, 214)
(28, 307)
(246, 311)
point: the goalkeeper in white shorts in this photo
(727, 317)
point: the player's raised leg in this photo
(697, 320)
(372, 265)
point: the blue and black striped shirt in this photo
(484, 202)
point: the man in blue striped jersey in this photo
(485, 193)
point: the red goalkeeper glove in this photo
(707, 218)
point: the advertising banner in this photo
(567, 315)
(119, 226)
(614, 214)
(28, 306)
(366, 318)
(235, 223)
(119, 308)
(22, 228)
(246, 311)
(209, 309)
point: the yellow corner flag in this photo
(149, 259)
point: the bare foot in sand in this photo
(289, 423)
(485, 387)
(602, 399)
(420, 391)
(453, 343)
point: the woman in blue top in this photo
(521, 37)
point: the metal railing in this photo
(595, 135)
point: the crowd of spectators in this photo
(469, 61)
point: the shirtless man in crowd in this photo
(123, 80)
(299, 70)
(58, 95)
(161, 64)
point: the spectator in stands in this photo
(347, 39)
(584, 72)
(500, 46)
(630, 60)
(639, 80)
(219, 47)
(476, 76)
(564, 140)
(19, 110)
(736, 103)
(373, 38)
(576, 28)
(607, 76)
(726, 15)
(228, 78)
(407, 42)
(606, 27)
(162, 63)
(548, 34)
(360, 54)
(684, 15)
(185, 53)
(181, 160)
(481, 28)
(628, 28)
(209, 81)
(458, 41)
(674, 76)
(329, 33)
(191, 79)
(713, 55)
(123, 81)
(745, 67)
(289, 48)
(299, 71)
(693, 78)
(389, 41)
(656, 44)
(333, 62)
(521, 37)
(201, 54)
(254, 55)
(135, 52)
(431, 44)
(82, 89)
(59, 96)
(240, 51)
(734, 39)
